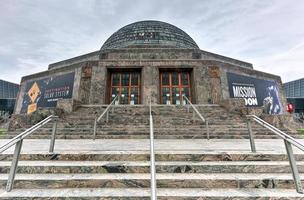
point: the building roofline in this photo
(10, 82)
(228, 58)
(62, 62)
(82, 58)
(294, 80)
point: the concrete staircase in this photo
(171, 122)
(125, 175)
(116, 165)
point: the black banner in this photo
(46, 92)
(256, 92)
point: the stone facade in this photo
(208, 76)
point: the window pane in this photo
(115, 80)
(134, 79)
(174, 78)
(134, 95)
(185, 80)
(115, 92)
(125, 79)
(124, 97)
(165, 79)
(186, 92)
(175, 96)
(165, 95)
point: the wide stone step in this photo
(120, 118)
(145, 131)
(157, 126)
(44, 167)
(145, 194)
(142, 180)
(146, 136)
(164, 156)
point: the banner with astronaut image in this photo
(256, 92)
(45, 93)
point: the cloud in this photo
(35, 33)
(288, 64)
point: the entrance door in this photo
(173, 85)
(127, 86)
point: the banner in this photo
(256, 92)
(46, 92)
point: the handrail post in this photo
(207, 128)
(11, 178)
(152, 156)
(294, 168)
(252, 143)
(95, 127)
(54, 130)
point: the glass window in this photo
(125, 79)
(185, 91)
(177, 84)
(115, 91)
(126, 86)
(134, 79)
(185, 80)
(174, 77)
(124, 97)
(165, 79)
(134, 95)
(116, 79)
(165, 95)
(175, 95)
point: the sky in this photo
(269, 34)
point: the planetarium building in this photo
(149, 59)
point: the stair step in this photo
(144, 193)
(33, 167)
(142, 180)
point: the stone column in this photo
(215, 84)
(76, 87)
(98, 85)
(19, 99)
(201, 85)
(150, 84)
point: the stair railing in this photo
(198, 113)
(288, 141)
(152, 155)
(104, 113)
(18, 140)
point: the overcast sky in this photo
(35, 33)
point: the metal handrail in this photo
(288, 141)
(277, 131)
(105, 112)
(199, 114)
(26, 133)
(152, 156)
(18, 140)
